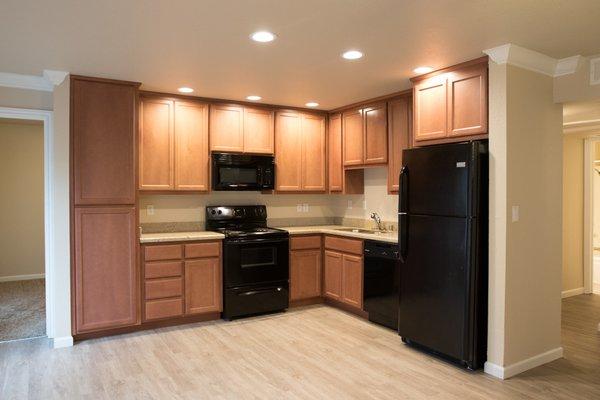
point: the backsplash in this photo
(185, 212)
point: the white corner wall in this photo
(525, 255)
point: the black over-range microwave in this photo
(242, 172)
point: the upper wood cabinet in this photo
(336, 169)
(364, 136)
(105, 273)
(103, 124)
(451, 104)
(173, 145)
(300, 152)
(235, 128)
(399, 128)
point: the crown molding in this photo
(532, 60)
(44, 83)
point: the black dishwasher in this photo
(380, 296)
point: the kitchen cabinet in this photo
(305, 267)
(182, 279)
(451, 104)
(173, 145)
(365, 136)
(300, 157)
(235, 128)
(399, 128)
(103, 122)
(105, 272)
(343, 277)
(346, 181)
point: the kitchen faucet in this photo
(377, 219)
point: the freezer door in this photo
(437, 179)
(434, 288)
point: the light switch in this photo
(349, 204)
(515, 213)
(150, 209)
(298, 207)
(305, 207)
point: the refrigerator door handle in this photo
(403, 214)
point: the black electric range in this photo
(255, 260)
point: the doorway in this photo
(22, 265)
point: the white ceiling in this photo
(166, 44)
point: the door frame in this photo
(588, 212)
(47, 118)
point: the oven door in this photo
(255, 261)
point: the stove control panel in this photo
(224, 213)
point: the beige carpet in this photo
(22, 309)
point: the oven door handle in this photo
(253, 292)
(257, 241)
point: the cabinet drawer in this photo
(163, 269)
(165, 308)
(344, 245)
(204, 249)
(162, 252)
(161, 288)
(305, 242)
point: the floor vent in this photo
(595, 71)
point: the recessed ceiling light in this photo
(352, 55)
(422, 70)
(263, 36)
(185, 90)
(312, 104)
(253, 98)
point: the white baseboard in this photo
(21, 277)
(522, 366)
(572, 292)
(60, 342)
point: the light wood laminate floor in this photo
(310, 353)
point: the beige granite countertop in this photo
(390, 237)
(179, 236)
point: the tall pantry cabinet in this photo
(105, 274)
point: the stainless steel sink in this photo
(356, 230)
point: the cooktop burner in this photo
(240, 221)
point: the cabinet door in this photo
(288, 152)
(305, 274)
(399, 138)
(203, 286)
(313, 153)
(332, 285)
(431, 112)
(352, 280)
(336, 170)
(226, 128)
(156, 144)
(467, 101)
(375, 118)
(258, 131)
(103, 116)
(191, 146)
(106, 276)
(352, 137)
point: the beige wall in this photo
(525, 256)
(572, 212)
(576, 87)
(22, 201)
(24, 98)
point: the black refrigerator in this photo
(443, 225)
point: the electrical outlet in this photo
(298, 207)
(305, 207)
(515, 214)
(349, 204)
(150, 209)
(364, 204)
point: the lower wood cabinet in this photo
(305, 267)
(182, 279)
(343, 276)
(105, 274)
